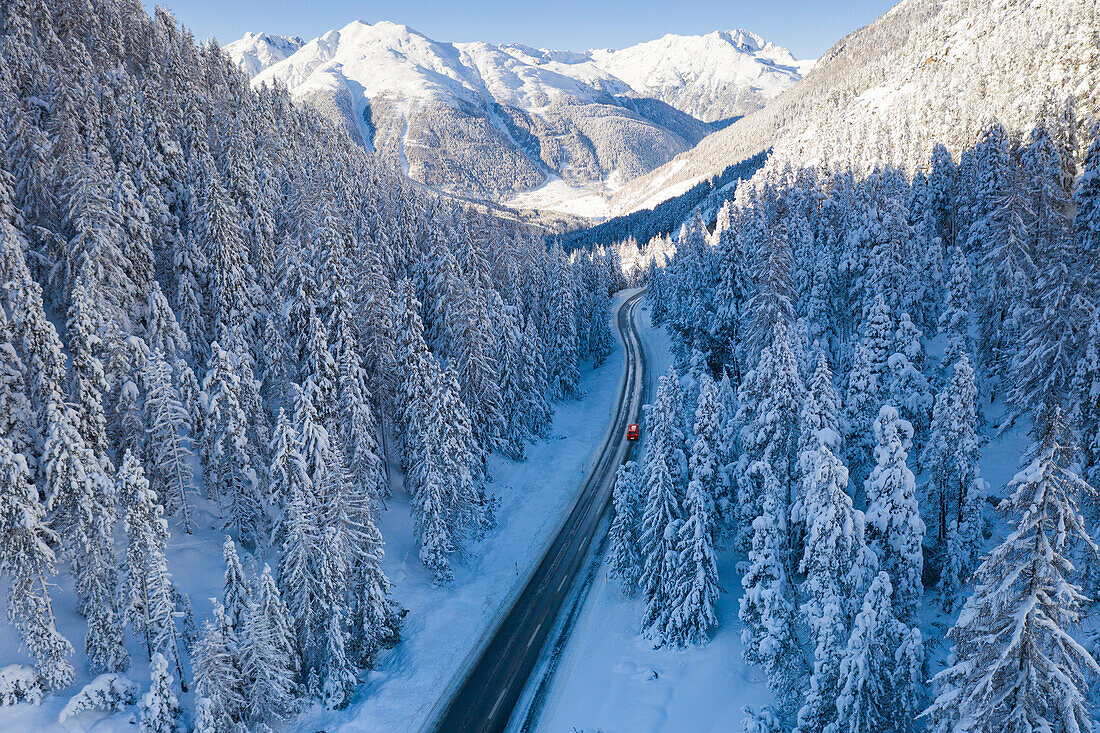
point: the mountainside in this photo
(496, 121)
(257, 51)
(927, 71)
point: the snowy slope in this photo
(927, 71)
(496, 121)
(257, 51)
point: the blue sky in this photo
(806, 27)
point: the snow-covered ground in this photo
(443, 625)
(610, 679)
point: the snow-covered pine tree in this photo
(952, 496)
(769, 401)
(868, 699)
(236, 590)
(878, 337)
(954, 322)
(88, 382)
(624, 556)
(695, 594)
(17, 419)
(838, 567)
(818, 426)
(227, 454)
(27, 559)
(770, 634)
(287, 468)
(169, 455)
(219, 679)
(160, 709)
(149, 608)
(663, 511)
(359, 430)
(84, 506)
(1015, 667)
(269, 655)
(863, 397)
(895, 530)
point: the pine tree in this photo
(269, 655)
(955, 320)
(663, 511)
(863, 397)
(228, 458)
(838, 568)
(695, 594)
(867, 699)
(170, 457)
(770, 633)
(952, 504)
(895, 530)
(26, 557)
(769, 399)
(236, 591)
(1014, 666)
(818, 426)
(149, 608)
(160, 710)
(624, 556)
(219, 680)
(83, 503)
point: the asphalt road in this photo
(487, 697)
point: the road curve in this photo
(486, 698)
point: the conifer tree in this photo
(219, 680)
(625, 558)
(83, 502)
(895, 530)
(149, 607)
(952, 503)
(269, 655)
(838, 568)
(169, 455)
(1015, 667)
(27, 559)
(770, 398)
(955, 320)
(236, 591)
(160, 710)
(695, 594)
(867, 699)
(770, 635)
(861, 400)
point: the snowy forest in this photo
(220, 316)
(845, 345)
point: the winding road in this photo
(487, 697)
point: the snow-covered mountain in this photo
(257, 51)
(927, 71)
(713, 77)
(497, 121)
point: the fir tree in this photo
(160, 710)
(27, 559)
(170, 457)
(894, 526)
(867, 699)
(269, 655)
(219, 680)
(1014, 666)
(150, 609)
(624, 557)
(770, 633)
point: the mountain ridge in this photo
(502, 121)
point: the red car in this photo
(632, 431)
